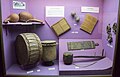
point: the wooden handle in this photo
(35, 20)
(89, 57)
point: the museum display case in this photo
(56, 38)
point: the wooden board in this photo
(88, 23)
(61, 27)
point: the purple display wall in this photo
(110, 14)
(5, 13)
(5, 4)
(75, 6)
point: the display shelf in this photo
(40, 70)
(23, 23)
(83, 66)
(102, 66)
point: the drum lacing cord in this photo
(28, 62)
(39, 47)
(30, 49)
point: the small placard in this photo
(76, 67)
(38, 70)
(90, 9)
(28, 72)
(50, 69)
(54, 11)
(75, 24)
(74, 32)
(19, 5)
(82, 50)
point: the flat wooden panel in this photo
(57, 29)
(61, 27)
(88, 23)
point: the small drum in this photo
(49, 52)
(67, 58)
(28, 49)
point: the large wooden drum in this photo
(28, 49)
(49, 52)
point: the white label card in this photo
(54, 11)
(19, 5)
(90, 9)
(28, 72)
(77, 67)
(38, 70)
(51, 69)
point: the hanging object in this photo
(28, 50)
(108, 29)
(109, 38)
(49, 52)
(114, 28)
(12, 18)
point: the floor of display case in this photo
(102, 66)
(39, 70)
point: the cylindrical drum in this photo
(28, 49)
(67, 58)
(49, 52)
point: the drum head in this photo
(21, 50)
(28, 49)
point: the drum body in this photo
(49, 52)
(67, 58)
(28, 49)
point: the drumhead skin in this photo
(28, 49)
